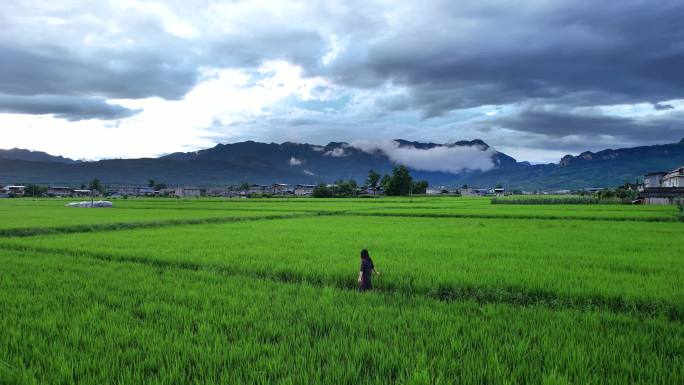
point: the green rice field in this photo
(263, 291)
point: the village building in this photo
(280, 189)
(167, 192)
(187, 192)
(304, 190)
(592, 190)
(662, 188)
(124, 192)
(17, 191)
(674, 178)
(84, 193)
(474, 192)
(220, 192)
(59, 191)
(147, 192)
(372, 191)
(257, 189)
(654, 179)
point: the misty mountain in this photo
(605, 168)
(465, 162)
(33, 156)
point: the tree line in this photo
(400, 183)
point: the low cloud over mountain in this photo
(441, 158)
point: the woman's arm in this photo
(360, 275)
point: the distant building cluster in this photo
(657, 188)
(278, 189)
(251, 190)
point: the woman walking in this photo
(367, 269)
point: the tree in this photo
(159, 186)
(420, 187)
(384, 182)
(498, 185)
(373, 180)
(95, 185)
(345, 188)
(322, 191)
(400, 183)
(150, 183)
(244, 186)
(34, 190)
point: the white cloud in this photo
(336, 152)
(222, 98)
(295, 162)
(307, 172)
(171, 22)
(445, 159)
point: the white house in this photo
(220, 192)
(654, 179)
(474, 192)
(302, 190)
(187, 192)
(257, 189)
(433, 191)
(674, 178)
(84, 193)
(14, 190)
(373, 190)
(280, 188)
(59, 191)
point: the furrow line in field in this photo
(269, 209)
(88, 228)
(515, 296)
(495, 216)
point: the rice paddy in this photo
(263, 291)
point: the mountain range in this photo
(454, 164)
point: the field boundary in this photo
(510, 295)
(100, 227)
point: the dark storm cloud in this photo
(300, 47)
(67, 107)
(443, 55)
(662, 107)
(558, 124)
(55, 70)
(584, 53)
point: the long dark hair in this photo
(364, 254)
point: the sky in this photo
(534, 79)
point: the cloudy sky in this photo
(535, 79)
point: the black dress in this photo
(366, 271)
